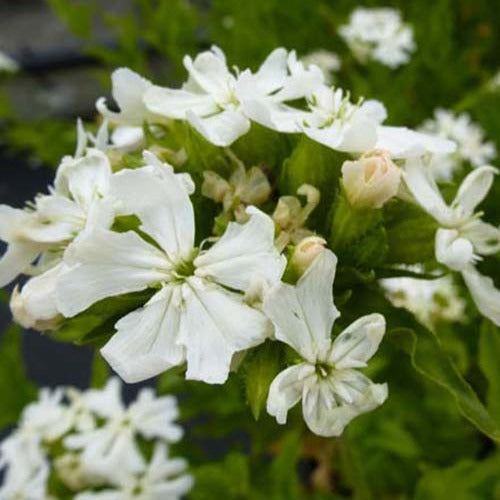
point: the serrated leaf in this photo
(261, 369)
(429, 359)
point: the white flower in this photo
(332, 390)
(27, 470)
(75, 202)
(336, 122)
(431, 300)
(463, 237)
(328, 62)
(305, 253)
(163, 479)
(219, 104)
(194, 290)
(372, 180)
(379, 34)
(47, 418)
(469, 137)
(111, 450)
(8, 64)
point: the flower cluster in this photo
(379, 34)
(121, 222)
(88, 444)
(469, 137)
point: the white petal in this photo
(145, 343)
(221, 129)
(158, 197)
(36, 301)
(127, 139)
(358, 342)
(16, 260)
(485, 237)
(174, 103)
(356, 136)
(452, 250)
(285, 390)
(209, 71)
(128, 92)
(486, 296)
(215, 324)
(322, 413)
(106, 264)
(12, 222)
(84, 178)
(245, 253)
(474, 189)
(154, 417)
(402, 142)
(273, 71)
(424, 190)
(303, 315)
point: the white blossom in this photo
(472, 145)
(111, 450)
(462, 237)
(220, 103)
(332, 390)
(379, 34)
(431, 300)
(195, 287)
(164, 478)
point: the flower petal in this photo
(244, 253)
(221, 129)
(474, 189)
(174, 103)
(484, 237)
(36, 303)
(159, 198)
(285, 390)
(484, 293)
(325, 417)
(402, 142)
(215, 324)
(106, 264)
(303, 315)
(358, 342)
(452, 250)
(16, 260)
(424, 190)
(128, 91)
(145, 343)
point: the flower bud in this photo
(305, 253)
(372, 180)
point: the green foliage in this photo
(489, 356)
(261, 369)
(15, 388)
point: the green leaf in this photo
(428, 358)
(410, 234)
(100, 371)
(315, 164)
(489, 362)
(283, 471)
(227, 479)
(467, 480)
(15, 388)
(260, 372)
(96, 324)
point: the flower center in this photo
(323, 370)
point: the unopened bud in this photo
(25, 318)
(372, 180)
(305, 253)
